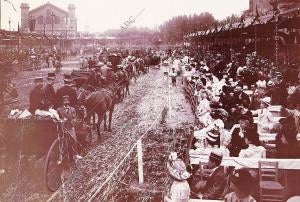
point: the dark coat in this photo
(68, 114)
(36, 100)
(215, 184)
(242, 97)
(237, 143)
(49, 95)
(278, 95)
(63, 91)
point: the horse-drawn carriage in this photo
(42, 138)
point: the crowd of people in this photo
(246, 107)
(33, 58)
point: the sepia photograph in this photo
(150, 100)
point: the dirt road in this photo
(133, 118)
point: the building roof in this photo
(48, 4)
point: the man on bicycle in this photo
(68, 114)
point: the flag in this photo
(11, 4)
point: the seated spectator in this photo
(261, 84)
(296, 115)
(237, 142)
(264, 124)
(294, 97)
(180, 189)
(209, 138)
(203, 110)
(198, 91)
(241, 97)
(226, 98)
(245, 113)
(278, 93)
(241, 184)
(215, 184)
(286, 141)
(254, 150)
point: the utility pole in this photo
(9, 22)
(52, 15)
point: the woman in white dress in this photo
(180, 190)
(203, 110)
(265, 123)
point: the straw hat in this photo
(266, 100)
(38, 79)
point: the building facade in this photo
(48, 19)
(266, 7)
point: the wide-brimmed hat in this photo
(270, 83)
(213, 136)
(38, 79)
(266, 100)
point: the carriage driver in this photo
(37, 96)
(68, 114)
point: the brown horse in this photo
(99, 102)
(122, 80)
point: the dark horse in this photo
(99, 102)
(122, 81)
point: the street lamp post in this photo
(52, 15)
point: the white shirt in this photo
(253, 152)
(261, 84)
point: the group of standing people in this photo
(44, 97)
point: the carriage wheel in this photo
(53, 167)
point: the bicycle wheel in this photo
(53, 167)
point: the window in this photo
(56, 19)
(48, 20)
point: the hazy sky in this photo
(100, 15)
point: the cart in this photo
(80, 76)
(42, 138)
